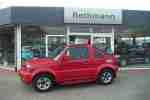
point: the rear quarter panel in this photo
(109, 66)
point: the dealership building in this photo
(46, 28)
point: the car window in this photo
(98, 53)
(56, 52)
(78, 52)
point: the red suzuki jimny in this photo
(69, 65)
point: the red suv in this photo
(69, 65)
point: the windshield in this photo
(54, 53)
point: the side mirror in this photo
(66, 58)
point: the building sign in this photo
(92, 16)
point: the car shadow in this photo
(81, 86)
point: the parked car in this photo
(135, 55)
(70, 65)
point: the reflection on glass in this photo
(76, 39)
(55, 52)
(55, 44)
(102, 42)
(33, 45)
(26, 53)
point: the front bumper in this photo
(25, 76)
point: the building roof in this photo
(32, 15)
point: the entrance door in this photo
(54, 41)
(103, 40)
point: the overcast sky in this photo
(107, 4)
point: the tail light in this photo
(109, 61)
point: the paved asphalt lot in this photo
(130, 85)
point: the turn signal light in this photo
(109, 61)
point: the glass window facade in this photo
(133, 47)
(33, 44)
(7, 47)
(99, 35)
(130, 43)
(34, 41)
(55, 42)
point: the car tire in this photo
(105, 77)
(43, 83)
(123, 62)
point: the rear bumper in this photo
(25, 76)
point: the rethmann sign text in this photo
(93, 15)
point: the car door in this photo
(76, 65)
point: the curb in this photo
(6, 70)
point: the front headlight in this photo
(29, 68)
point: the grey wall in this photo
(37, 15)
(136, 18)
(5, 16)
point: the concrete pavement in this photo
(130, 85)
